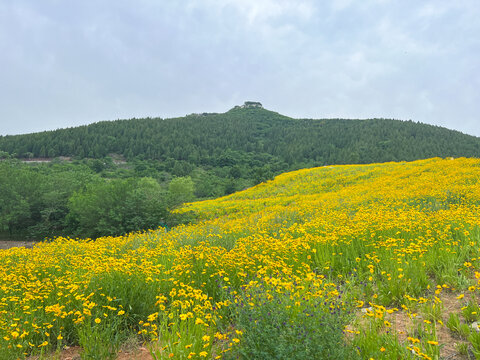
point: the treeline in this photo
(60, 198)
(249, 138)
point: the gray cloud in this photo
(70, 63)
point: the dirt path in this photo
(7, 244)
(73, 353)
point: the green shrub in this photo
(278, 326)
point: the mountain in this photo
(248, 135)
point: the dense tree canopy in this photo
(246, 137)
(47, 200)
(125, 175)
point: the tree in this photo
(180, 190)
(99, 209)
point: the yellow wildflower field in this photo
(366, 240)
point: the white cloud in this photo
(257, 11)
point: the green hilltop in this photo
(247, 135)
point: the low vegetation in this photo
(373, 261)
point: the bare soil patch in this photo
(73, 353)
(404, 325)
(7, 244)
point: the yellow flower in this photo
(461, 296)
(432, 342)
(413, 340)
(121, 312)
(98, 320)
(203, 354)
(152, 317)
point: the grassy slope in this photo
(387, 238)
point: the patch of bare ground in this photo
(8, 244)
(140, 353)
(73, 353)
(404, 325)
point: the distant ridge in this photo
(247, 135)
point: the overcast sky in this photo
(69, 63)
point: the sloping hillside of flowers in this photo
(331, 262)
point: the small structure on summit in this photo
(250, 104)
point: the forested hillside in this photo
(247, 136)
(126, 175)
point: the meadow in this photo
(377, 261)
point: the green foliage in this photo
(474, 339)
(101, 339)
(277, 326)
(247, 138)
(372, 341)
(47, 200)
(99, 208)
(453, 324)
(117, 207)
(457, 328)
(126, 289)
(180, 190)
(471, 312)
(33, 199)
(462, 349)
(433, 311)
(4, 155)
